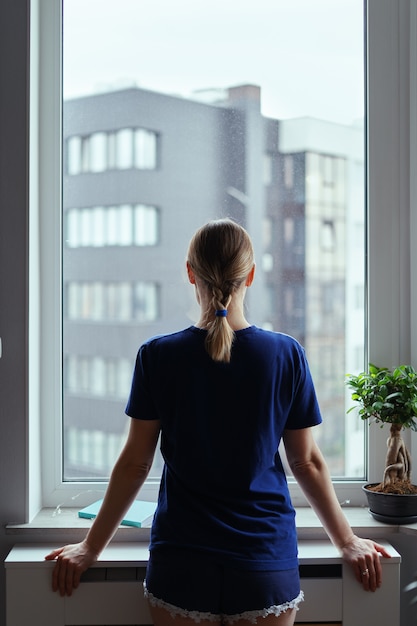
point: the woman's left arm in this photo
(311, 472)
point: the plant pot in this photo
(391, 508)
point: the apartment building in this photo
(142, 170)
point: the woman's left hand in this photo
(363, 555)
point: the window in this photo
(144, 143)
(146, 225)
(122, 149)
(121, 225)
(145, 149)
(309, 283)
(98, 376)
(328, 235)
(111, 301)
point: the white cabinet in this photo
(113, 595)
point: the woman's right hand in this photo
(71, 561)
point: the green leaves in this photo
(388, 396)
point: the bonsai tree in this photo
(389, 396)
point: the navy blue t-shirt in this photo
(223, 488)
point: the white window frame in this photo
(392, 232)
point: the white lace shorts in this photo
(198, 616)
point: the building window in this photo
(145, 149)
(124, 149)
(97, 376)
(328, 235)
(146, 225)
(90, 452)
(97, 153)
(121, 225)
(146, 296)
(119, 302)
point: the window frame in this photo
(391, 133)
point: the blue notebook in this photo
(140, 513)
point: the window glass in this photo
(146, 225)
(164, 131)
(125, 225)
(98, 155)
(73, 155)
(72, 237)
(124, 148)
(121, 225)
(145, 149)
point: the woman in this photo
(223, 393)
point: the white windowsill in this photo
(65, 525)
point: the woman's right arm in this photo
(128, 475)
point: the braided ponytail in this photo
(221, 255)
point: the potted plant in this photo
(390, 397)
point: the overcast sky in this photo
(307, 55)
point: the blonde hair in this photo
(221, 254)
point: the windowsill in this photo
(65, 525)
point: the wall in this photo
(13, 265)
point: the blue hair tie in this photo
(221, 313)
